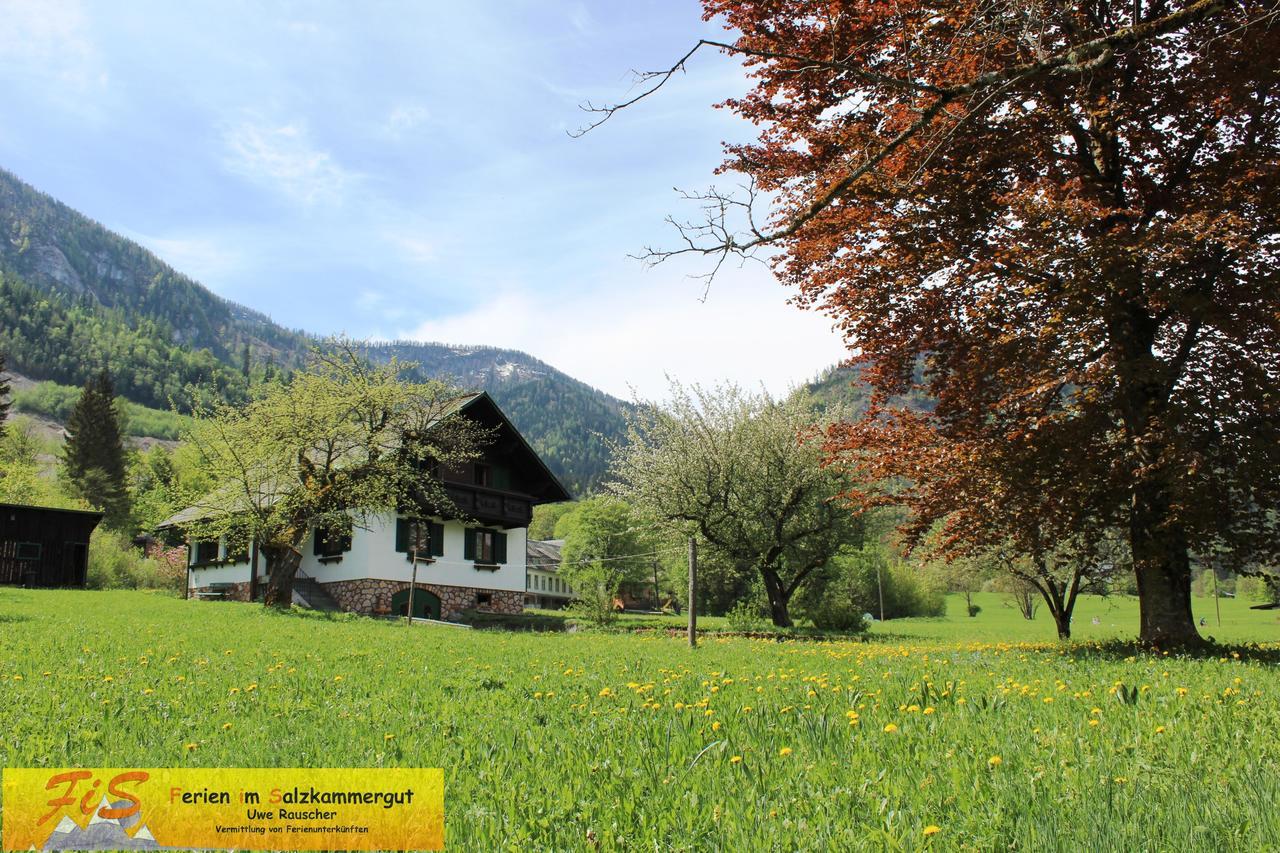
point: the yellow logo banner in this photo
(242, 808)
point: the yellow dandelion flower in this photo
(191, 747)
(337, 678)
(931, 829)
(226, 726)
(388, 737)
(737, 759)
(1093, 722)
(890, 728)
(1159, 730)
(108, 678)
(928, 710)
(995, 761)
(715, 727)
(785, 751)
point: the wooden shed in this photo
(42, 546)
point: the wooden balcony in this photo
(491, 506)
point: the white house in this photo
(544, 587)
(476, 562)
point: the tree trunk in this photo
(778, 598)
(1063, 622)
(1163, 567)
(282, 566)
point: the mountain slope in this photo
(57, 249)
(75, 297)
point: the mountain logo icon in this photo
(124, 833)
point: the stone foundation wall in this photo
(372, 597)
(236, 592)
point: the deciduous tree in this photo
(1071, 211)
(744, 473)
(604, 535)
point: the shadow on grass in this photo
(1119, 649)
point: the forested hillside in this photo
(51, 336)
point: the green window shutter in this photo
(469, 544)
(402, 535)
(437, 540)
(499, 547)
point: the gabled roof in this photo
(554, 491)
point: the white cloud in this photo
(50, 39)
(284, 159)
(414, 248)
(633, 334)
(404, 118)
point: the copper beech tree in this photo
(1066, 210)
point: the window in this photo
(205, 552)
(428, 536)
(28, 551)
(487, 547)
(331, 543)
(484, 597)
(484, 474)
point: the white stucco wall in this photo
(545, 585)
(373, 555)
(229, 573)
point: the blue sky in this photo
(403, 170)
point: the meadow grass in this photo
(612, 741)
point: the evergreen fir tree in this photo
(93, 458)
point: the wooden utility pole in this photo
(693, 593)
(880, 590)
(408, 620)
(657, 602)
(1216, 605)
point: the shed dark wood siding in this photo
(40, 546)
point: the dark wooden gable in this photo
(42, 546)
(503, 487)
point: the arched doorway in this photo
(426, 605)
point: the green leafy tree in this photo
(743, 472)
(93, 458)
(605, 546)
(343, 441)
(545, 518)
